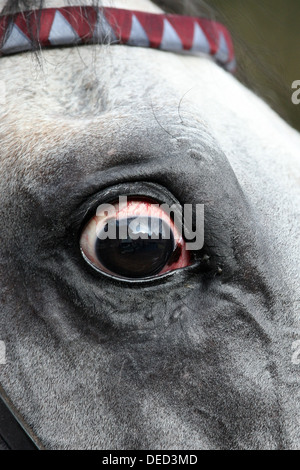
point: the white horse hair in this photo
(193, 362)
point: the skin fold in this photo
(201, 359)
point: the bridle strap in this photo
(71, 26)
(12, 432)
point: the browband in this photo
(69, 26)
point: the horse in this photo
(203, 357)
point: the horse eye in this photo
(133, 241)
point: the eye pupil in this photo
(135, 239)
(143, 253)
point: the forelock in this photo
(186, 7)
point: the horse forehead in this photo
(84, 86)
(118, 71)
(91, 82)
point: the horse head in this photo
(199, 355)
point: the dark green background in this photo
(266, 35)
(267, 41)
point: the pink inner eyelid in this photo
(133, 209)
(142, 209)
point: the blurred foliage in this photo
(267, 41)
(266, 35)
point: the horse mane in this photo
(181, 7)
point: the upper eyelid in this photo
(88, 207)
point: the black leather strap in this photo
(11, 431)
(3, 445)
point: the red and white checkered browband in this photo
(87, 25)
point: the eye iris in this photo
(143, 253)
(134, 239)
